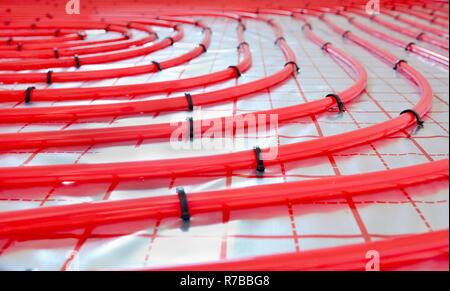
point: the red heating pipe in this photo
(399, 17)
(129, 108)
(55, 42)
(424, 10)
(86, 49)
(420, 36)
(56, 174)
(39, 222)
(411, 47)
(7, 32)
(138, 89)
(88, 60)
(394, 253)
(423, 27)
(115, 134)
(110, 73)
(433, 19)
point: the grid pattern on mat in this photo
(268, 230)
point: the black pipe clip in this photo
(56, 53)
(260, 169)
(307, 25)
(184, 205)
(325, 45)
(397, 64)
(203, 47)
(242, 44)
(420, 36)
(191, 128)
(345, 34)
(244, 28)
(158, 65)
(237, 70)
(189, 101)
(171, 40)
(28, 94)
(279, 39)
(297, 68)
(408, 46)
(419, 120)
(340, 104)
(49, 77)
(77, 61)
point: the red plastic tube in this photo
(56, 174)
(52, 94)
(32, 32)
(39, 222)
(54, 42)
(116, 134)
(130, 108)
(424, 10)
(433, 19)
(86, 49)
(411, 47)
(395, 253)
(423, 27)
(420, 36)
(88, 60)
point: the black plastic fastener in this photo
(77, 61)
(420, 36)
(237, 70)
(203, 47)
(184, 205)
(82, 35)
(408, 46)
(127, 35)
(345, 34)
(189, 101)
(57, 32)
(297, 68)
(28, 94)
(56, 53)
(49, 77)
(419, 120)
(171, 40)
(260, 169)
(191, 128)
(158, 65)
(397, 64)
(19, 47)
(307, 25)
(279, 39)
(242, 44)
(325, 45)
(340, 104)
